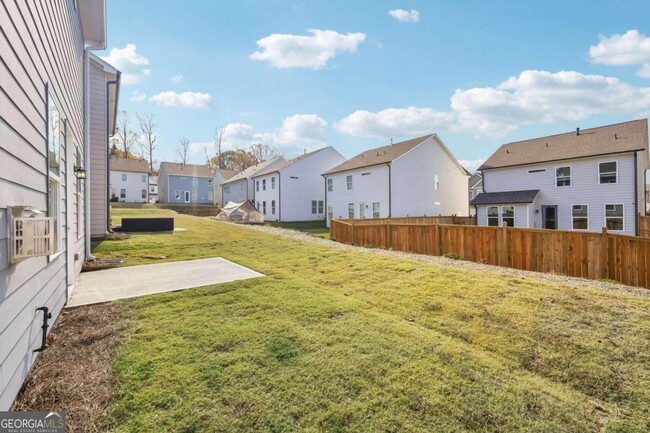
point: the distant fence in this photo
(577, 254)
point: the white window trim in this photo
(514, 215)
(570, 177)
(605, 216)
(615, 161)
(330, 184)
(352, 211)
(58, 240)
(349, 185)
(487, 216)
(587, 229)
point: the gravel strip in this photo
(443, 261)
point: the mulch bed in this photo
(75, 373)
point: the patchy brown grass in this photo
(75, 373)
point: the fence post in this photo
(389, 241)
(502, 257)
(439, 248)
(352, 234)
(604, 253)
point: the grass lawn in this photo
(314, 228)
(342, 341)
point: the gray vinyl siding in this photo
(98, 150)
(41, 43)
(185, 183)
(585, 189)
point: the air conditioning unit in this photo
(30, 235)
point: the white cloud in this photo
(300, 51)
(138, 96)
(133, 66)
(194, 100)
(631, 48)
(533, 97)
(405, 16)
(298, 132)
(176, 78)
(471, 164)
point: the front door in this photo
(187, 196)
(549, 217)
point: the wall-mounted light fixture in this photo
(80, 172)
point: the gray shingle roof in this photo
(286, 164)
(617, 138)
(250, 171)
(505, 197)
(192, 170)
(130, 165)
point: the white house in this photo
(581, 180)
(413, 178)
(129, 180)
(475, 187)
(220, 176)
(239, 188)
(153, 187)
(294, 190)
(45, 125)
(103, 82)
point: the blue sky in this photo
(354, 74)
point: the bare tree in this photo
(263, 152)
(218, 140)
(208, 159)
(149, 138)
(183, 150)
(125, 137)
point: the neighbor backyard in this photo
(335, 339)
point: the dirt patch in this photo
(75, 373)
(100, 264)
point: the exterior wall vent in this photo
(31, 235)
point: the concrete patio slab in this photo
(129, 282)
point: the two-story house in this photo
(239, 188)
(293, 190)
(52, 111)
(220, 176)
(185, 183)
(581, 180)
(416, 177)
(475, 187)
(129, 180)
(153, 187)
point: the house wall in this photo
(133, 184)
(585, 189)
(237, 192)
(412, 182)
(98, 145)
(202, 186)
(218, 190)
(153, 189)
(41, 44)
(369, 184)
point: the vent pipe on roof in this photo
(577, 131)
(391, 141)
(305, 152)
(615, 136)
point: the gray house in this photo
(45, 126)
(581, 180)
(185, 183)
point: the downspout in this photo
(279, 197)
(325, 209)
(116, 82)
(636, 194)
(390, 204)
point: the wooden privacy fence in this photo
(455, 220)
(644, 226)
(577, 254)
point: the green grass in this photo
(341, 341)
(314, 228)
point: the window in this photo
(320, 206)
(152, 189)
(210, 182)
(226, 189)
(330, 211)
(314, 206)
(580, 215)
(258, 205)
(493, 216)
(53, 135)
(263, 184)
(563, 176)
(508, 215)
(614, 217)
(210, 195)
(78, 193)
(330, 185)
(264, 207)
(53, 207)
(195, 182)
(351, 211)
(436, 182)
(195, 195)
(537, 170)
(144, 193)
(123, 193)
(349, 181)
(273, 182)
(607, 172)
(144, 178)
(273, 207)
(362, 211)
(123, 177)
(177, 195)
(375, 209)
(257, 185)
